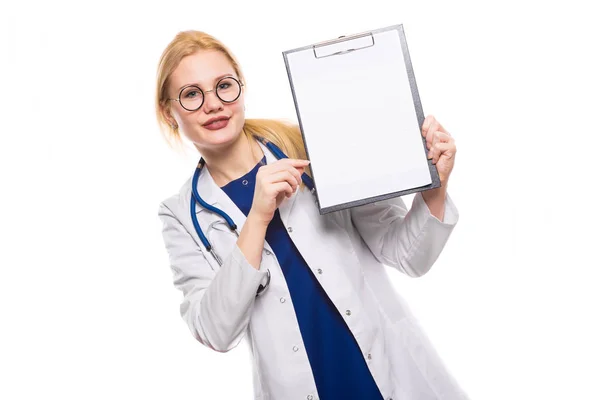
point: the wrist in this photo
(256, 220)
(435, 199)
(436, 193)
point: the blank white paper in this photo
(359, 120)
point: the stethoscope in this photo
(276, 151)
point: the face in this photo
(204, 70)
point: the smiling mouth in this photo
(217, 124)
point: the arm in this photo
(436, 201)
(410, 241)
(217, 304)
(252, 239)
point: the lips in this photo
(216, 123)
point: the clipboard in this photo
(360, 115)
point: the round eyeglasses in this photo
(227, 89)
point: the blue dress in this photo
(337, 363)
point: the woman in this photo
(308, 292)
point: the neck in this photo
(225, 165)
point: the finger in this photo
(294, 162)
(433, 127)
(446, 149)
(280, 197)
(283, 187)
(284, 176)
(277, 166)
(439, 136)
(426, 123)
(443, 137)
(287, 163)
(295, 171)
(301, 171)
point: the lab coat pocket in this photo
(222, 238)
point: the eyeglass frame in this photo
(178, 99)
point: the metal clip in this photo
(343, 39)
(216, 256)
(261, 288)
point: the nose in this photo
(212, 103)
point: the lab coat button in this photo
(295, 348)
(282, 300)
(348, 312)
(369, 356)
(309, 397)
(290, 229)
(320, 271)
(268, 252)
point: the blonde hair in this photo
(285, 135)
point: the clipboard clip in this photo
(342, 39)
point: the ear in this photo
(166, 113)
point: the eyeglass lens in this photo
(227, 90)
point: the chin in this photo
(220, 138)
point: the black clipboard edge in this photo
(373, 199)
(435, 178)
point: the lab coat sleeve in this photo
(216, 304)
(409, 240)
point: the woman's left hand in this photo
(441, 146)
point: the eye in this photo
(224, 85)
(192, 94)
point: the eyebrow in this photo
(214, 80)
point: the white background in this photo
(87, 307)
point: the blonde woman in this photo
(255, 260)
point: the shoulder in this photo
(178, 203)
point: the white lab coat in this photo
(345, 250)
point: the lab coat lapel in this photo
(215, 196)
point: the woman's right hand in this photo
(274, 182)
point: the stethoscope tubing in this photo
(197, 199)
